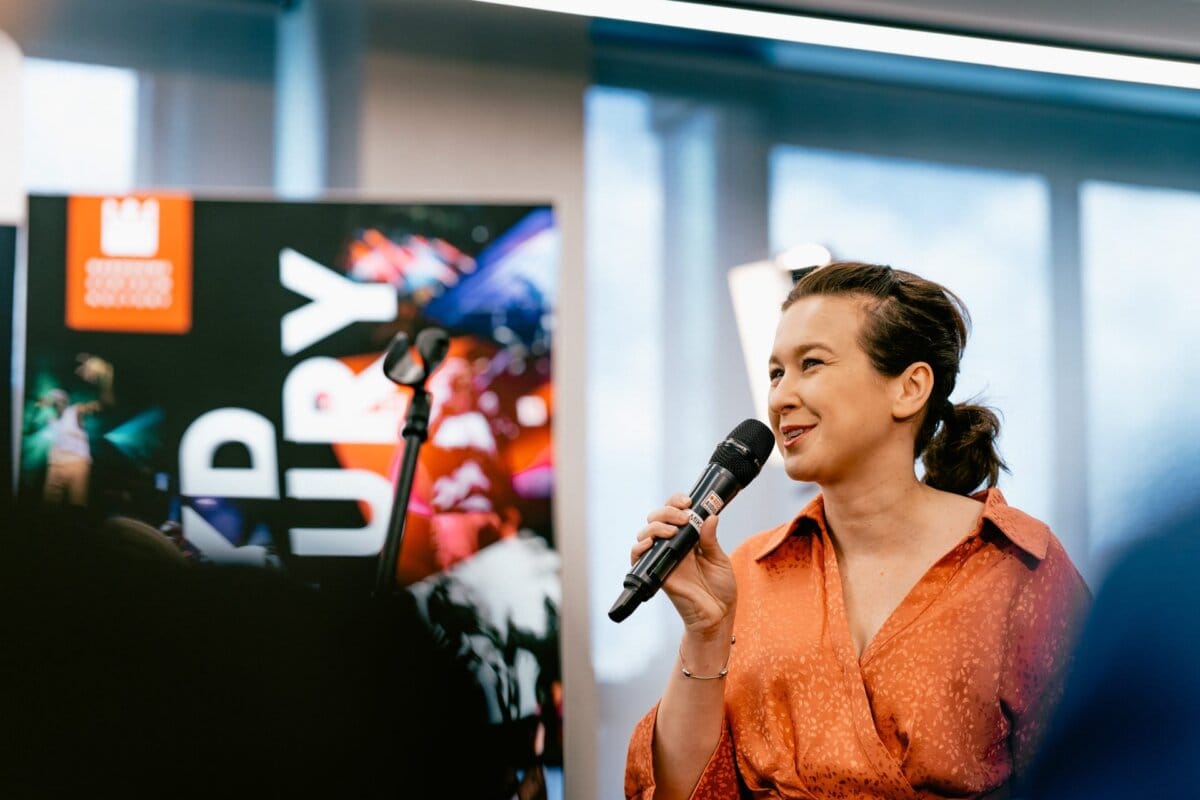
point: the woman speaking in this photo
(901, 637)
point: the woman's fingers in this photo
(708, 534)
(679, 500)
(663, 523)
(669, 515)
(657, 530)
(641, 547)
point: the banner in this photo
(213, 369)
(8, 253)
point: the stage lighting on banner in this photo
(755, 289)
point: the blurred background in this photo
(1064, 210)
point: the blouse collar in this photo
(1027, 533)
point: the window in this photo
(79, 127)
(1140, 284)
(625, 369)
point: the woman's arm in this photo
(1044, 619)
(691, 713)
(690, 718)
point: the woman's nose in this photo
(782, 396)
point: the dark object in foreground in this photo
(139, 676)
(1127, 724)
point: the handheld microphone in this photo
(736, 461)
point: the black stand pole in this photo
(416, 431)
(402, 368)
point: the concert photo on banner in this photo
(211, 371)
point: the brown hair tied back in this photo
(910, 319)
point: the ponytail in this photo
(962, 453)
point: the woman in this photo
(899, 638)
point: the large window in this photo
(79, 127)
(1141, 327)
(625, 362)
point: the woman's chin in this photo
(797, 470)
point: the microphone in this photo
(736, 461)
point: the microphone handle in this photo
(716, 487)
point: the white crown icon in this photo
(129, 227)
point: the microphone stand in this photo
(401, 367)
(415, 432)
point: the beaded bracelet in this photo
(687, 673)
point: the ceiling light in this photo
(882, 39)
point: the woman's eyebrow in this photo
(805, 347)
(801, 349)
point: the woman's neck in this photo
(875, 516)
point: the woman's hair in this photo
(910, 319)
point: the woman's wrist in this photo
(712, 632)
(705, 651)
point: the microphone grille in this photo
(745, 450)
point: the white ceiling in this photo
(1162, 27)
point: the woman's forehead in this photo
(832, 319)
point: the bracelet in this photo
(687, 673)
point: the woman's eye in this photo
(809, 363)
(776, 373)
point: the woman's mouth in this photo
(791, 434)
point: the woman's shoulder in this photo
(1045, 559)
(1021, 528)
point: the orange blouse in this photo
(947, 701)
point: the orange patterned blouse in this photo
(947, 701)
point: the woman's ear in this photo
(912, 390)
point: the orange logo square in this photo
(129, 264)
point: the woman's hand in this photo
(701, 587)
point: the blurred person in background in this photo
(59, 422)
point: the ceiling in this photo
(1152, 27)
(1169, 28)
